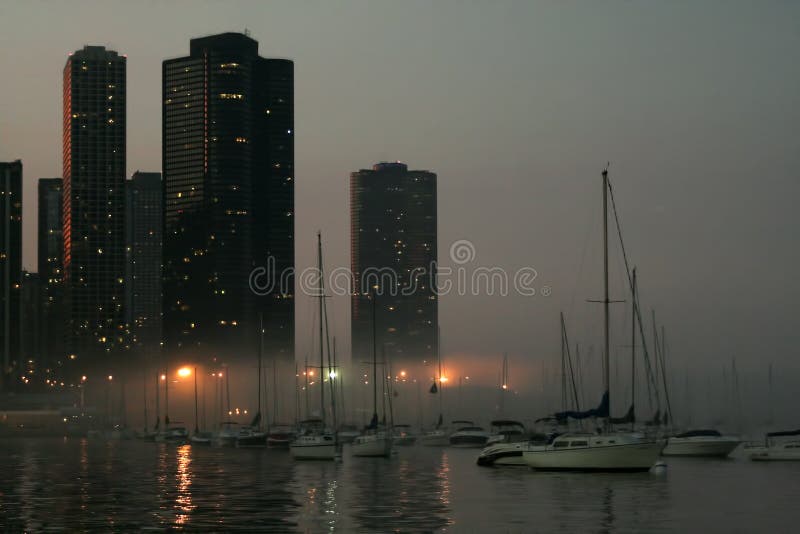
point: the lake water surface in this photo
(80, 484)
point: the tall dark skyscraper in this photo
(393, 231)
(10, 266)
(30, 350)
(228, 163)
(51, 269)
(94, 209)
(143, 222)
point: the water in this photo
(79, 484)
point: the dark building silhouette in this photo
(31, 358)
(51, 270)
(94, 210)
(10, 267)
(393, 245)
(228, 164)
(143, 221)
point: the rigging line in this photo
(630, 282)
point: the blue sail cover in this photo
(629, 417)
(600, 411)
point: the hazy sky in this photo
(517, 106)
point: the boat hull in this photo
(628, 457)
(405, 441)
(710, 448)
(776, 456)
(503, 454)
(252, 442)
(376, 447)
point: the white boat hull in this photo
(503, 454)
(639, 456)
(376, 447)
(707, 447)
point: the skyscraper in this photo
(94, 208)
(228, 163)
(31, 361)
(10, 266)
(393, 246)
(51, 269)
(143, 221)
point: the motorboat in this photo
(780, 447)
(403, 436)
(506, 445)
(506, 431)
(467, 435)
(613, 451)
(174, 433)
(706, 443)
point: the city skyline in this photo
(622, 89)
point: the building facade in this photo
(393, 236)
(143, 221)
(94, 210)
(51, 270)
(10, 269)
(228, 164)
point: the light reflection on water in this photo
(129, 485)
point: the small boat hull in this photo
(255, 441)
(700, 447)
(468, 441)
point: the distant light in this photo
(311, 373)
(163, 377)
(110, 377)
(183, 372)
(332, 374)
(403, 374)
(505, 386)
(443, 379)
(83, 378)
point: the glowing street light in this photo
(183, 372)
(332, 374)
(110, 378)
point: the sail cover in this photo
(629, 417)
(600, 411)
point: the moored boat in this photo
(701, 443)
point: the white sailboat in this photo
(438, 437)
(611, 450)
(317, 442)
(780, 447)
(374, 442)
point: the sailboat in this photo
(198, 437)
(610, 450)
(438, 437)
(316, 441)
(781, 446)
(374, 441)
(252, 436)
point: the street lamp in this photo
(183, 372)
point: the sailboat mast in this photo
(633, 342)
(196, 419)
(563, 368)
(144, 391)
(606, 301)
(374, 358)
(158, 394)
(439, 378)
(260, 355)
(321, 337)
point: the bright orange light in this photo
(311, 373)
(183, 372)
(403, 374)
(443, 379)
(505, 386)
(110, 377)
(163, 377)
